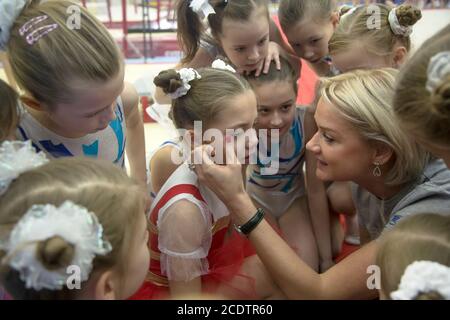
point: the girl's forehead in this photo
(254, 28)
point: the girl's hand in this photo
(272, 54)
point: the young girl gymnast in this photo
(194, 247)
(414, 259)
(374, 36)
(71, 228)
(283, 193)
(75, 102)
(241, 32)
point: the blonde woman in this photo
(422, 97)
(358, 140)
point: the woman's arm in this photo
(346, 280)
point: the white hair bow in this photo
(220, 64)
(422, 277)
(202, 7)
(9, 11)
(396, 27)
(186, 76)
(17, 157)
(71, 222)
(438, 69)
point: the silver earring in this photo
(377, 171)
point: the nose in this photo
(254, 54)
(276, 120)
(313, 144)
(308, 54)
(108, 116)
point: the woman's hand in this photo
(224, 180)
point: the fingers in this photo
(277, 63)
(259, 69)
(230, 155)
(203, 155)
(268, 62)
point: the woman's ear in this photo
(399, 56)
(106, 286)
(382, 153)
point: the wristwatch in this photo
(251, 224)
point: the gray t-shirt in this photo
(430, 193)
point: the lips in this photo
(322, 163)
(253, 66)
(315, 61)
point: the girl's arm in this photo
(183, 236)
(135, 145)
(346, 280)
(162, 167)
(318, 202)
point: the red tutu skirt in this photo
(225, 264)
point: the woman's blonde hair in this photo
(206, 97)
(420, 237)
(9, 118)
(291, 12)
(355, 27)
(47, 68)
(364, 99)
(101, 188)
(425, 113)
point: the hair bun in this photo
(440, 99)
(408, 15)
(168, 80)
(55, 253)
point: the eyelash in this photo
(327, 139)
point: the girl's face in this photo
(239, 114)
(309, 38)
(138, 260)
(276, 106)
(342, 154)
(92, 108)
(246, 43)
